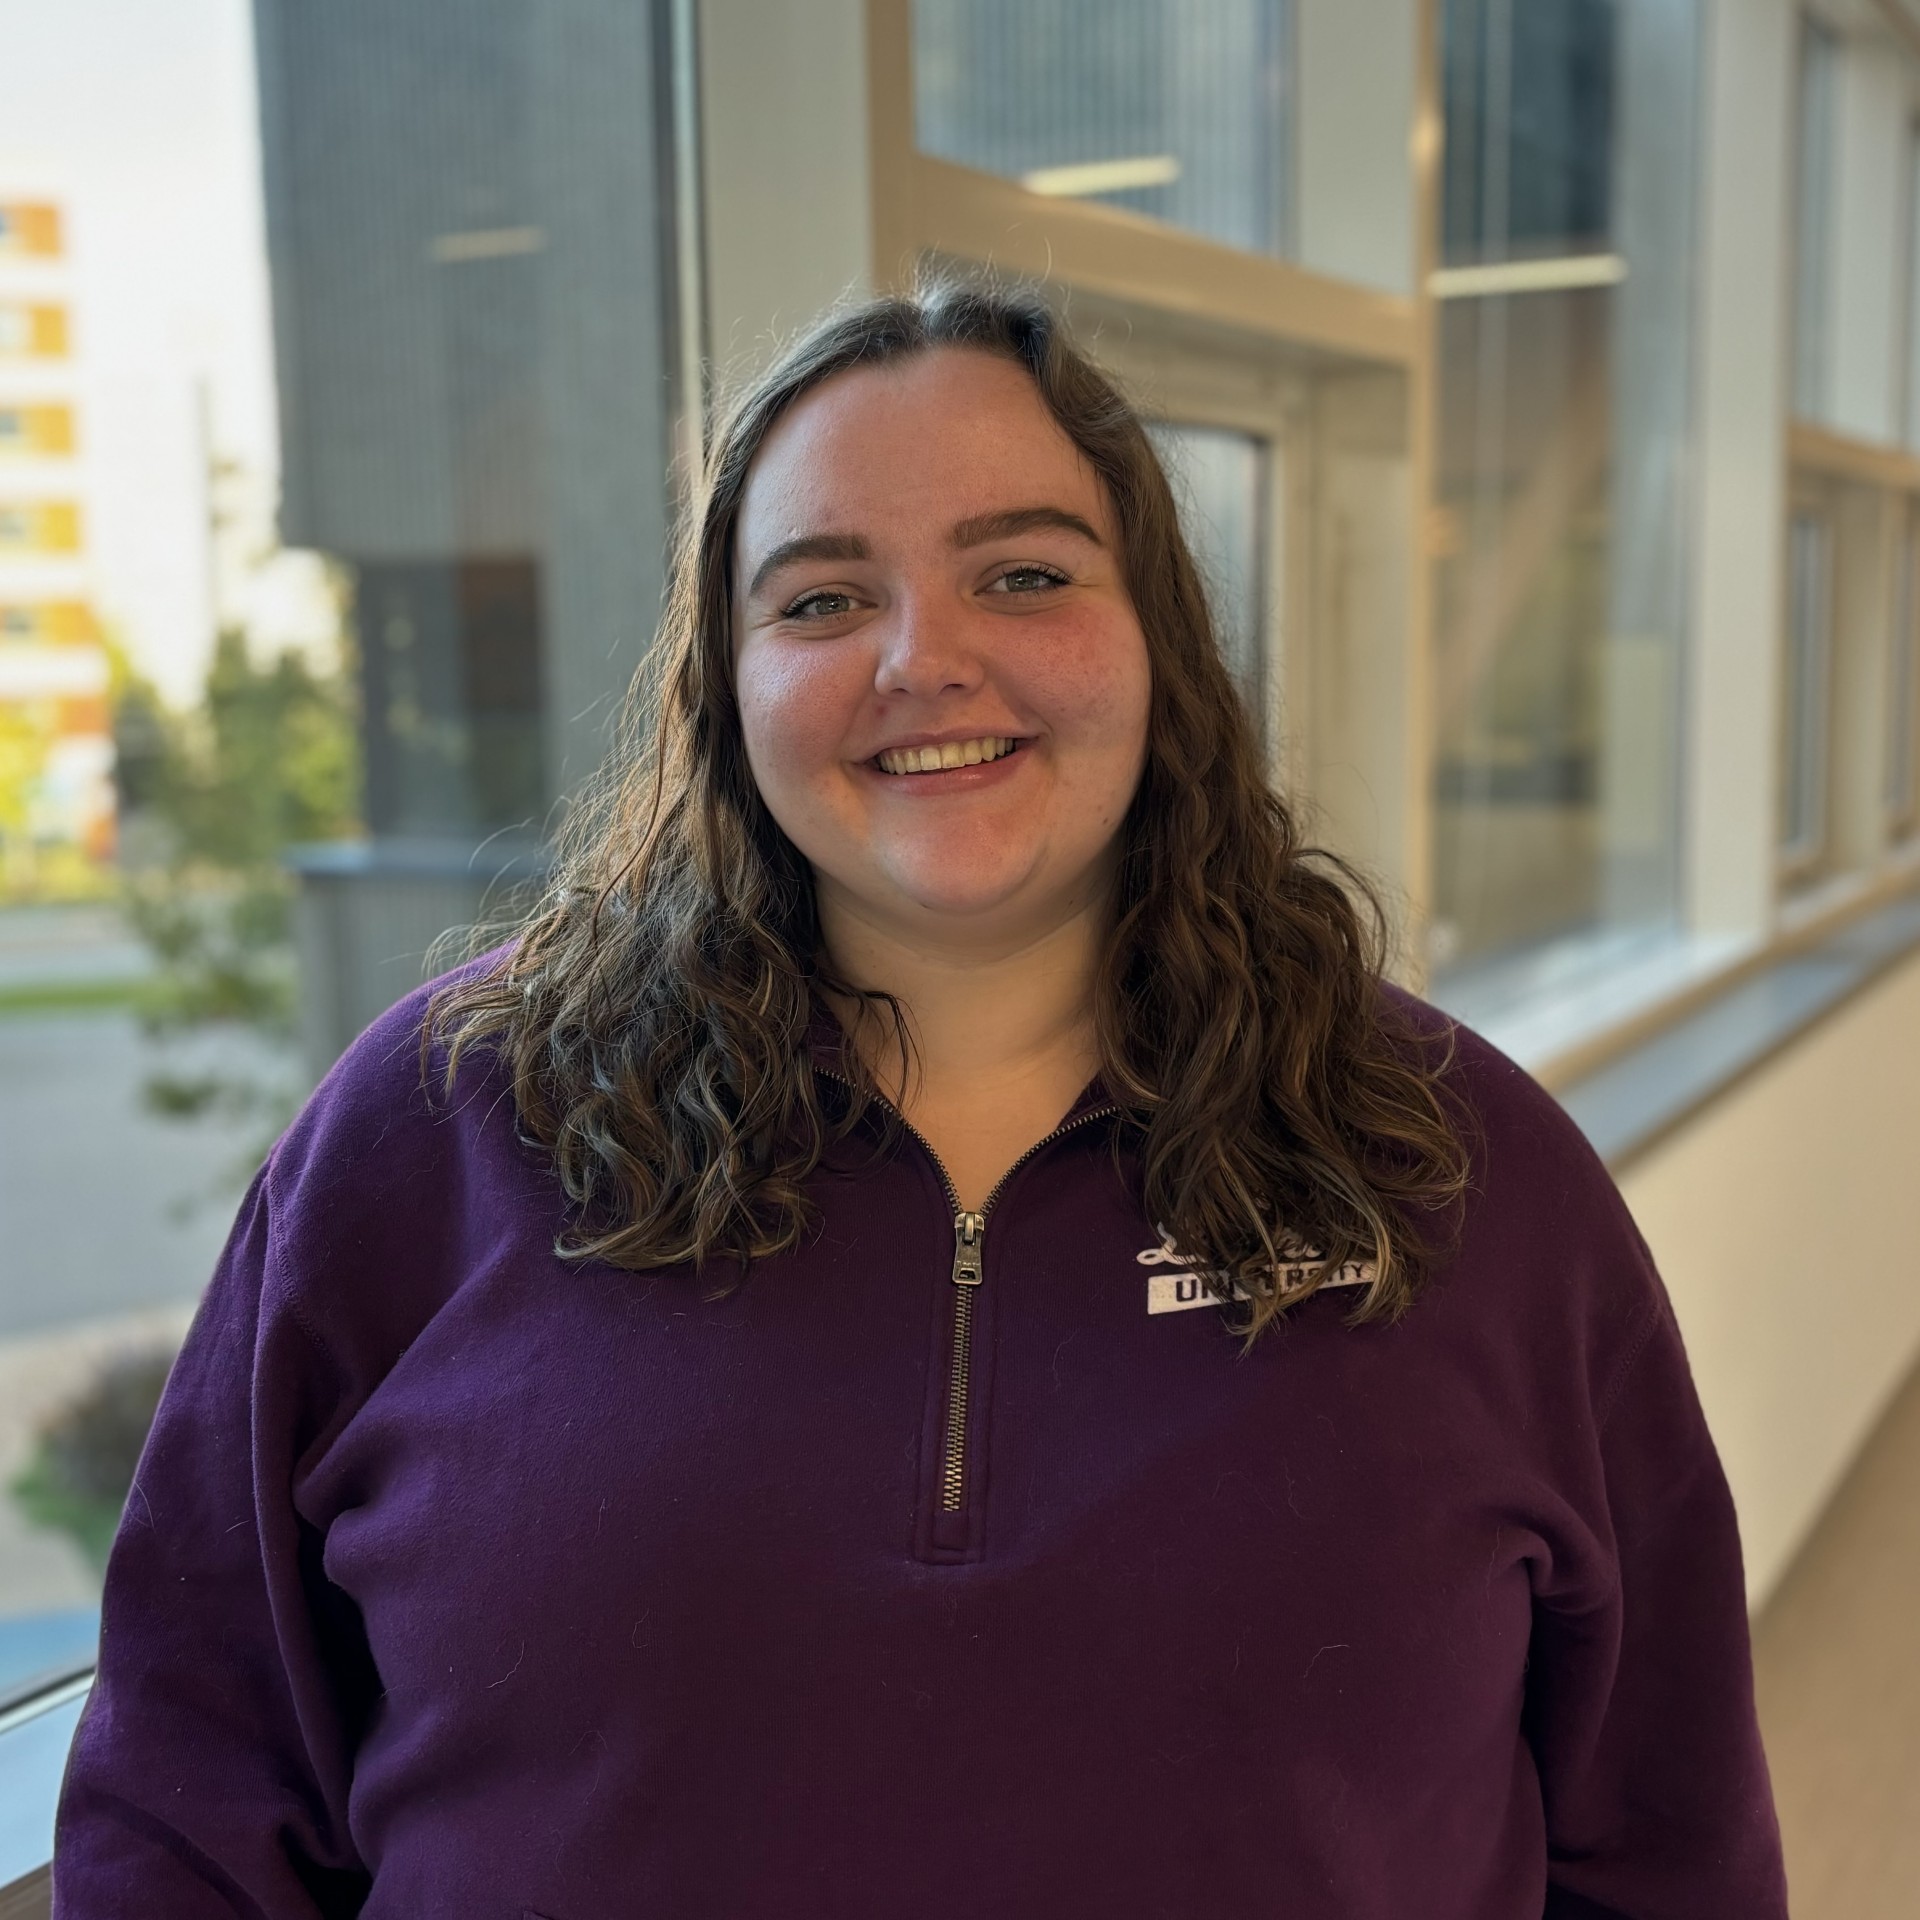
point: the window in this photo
(1178, 109)
(1809, 675)
(1813, 216)
(1221, 481)
(1847, 751)
(1910, 341)
(438, 564)
(1287, 356)
(1903, 684)
(476, 347)
(1564, 302)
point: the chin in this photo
(951, 891)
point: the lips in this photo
(944, 757)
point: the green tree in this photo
(210, 800)
(215, 796)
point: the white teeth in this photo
(955, 753)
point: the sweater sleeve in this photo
(1640, 1701)
(210, 1771)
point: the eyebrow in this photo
(986, 527)
(809, 546)
(976, 532)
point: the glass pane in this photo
(1912, 389)
(1903, 704)
(334, 440)
(1813, 216)
(1560, 587)
(1220, 479)
(1809, 647)
(1173, 108)
(1530, 115)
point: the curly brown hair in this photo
(653, 1010)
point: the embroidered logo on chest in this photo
(1173, 1286)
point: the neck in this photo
(988, 1013)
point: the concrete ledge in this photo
(1638, 1098)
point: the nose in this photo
(925, 649)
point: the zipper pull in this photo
(968, 1230)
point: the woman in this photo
(729, 1442)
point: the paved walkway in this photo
(104, 1206)
(111, 1217)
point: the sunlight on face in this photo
(926, 570)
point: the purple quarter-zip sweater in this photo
(461, 1581)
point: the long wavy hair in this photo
(653, 1010)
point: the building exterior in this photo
(56, 749)
(468, 233)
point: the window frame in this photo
(1874, 485)
(878, 210)
(1872, 490)
(1209, 335)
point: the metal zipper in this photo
(969, 1249)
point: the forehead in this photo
(909, 449)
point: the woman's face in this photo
(926, 572)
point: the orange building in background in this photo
(56, 743)
(31, 227)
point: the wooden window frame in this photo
(1209, 335)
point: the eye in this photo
(1029, 578)
(800, 609)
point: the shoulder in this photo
(383, 1103)
(1546, 1230)
(1519, 1129)
(387, 1180)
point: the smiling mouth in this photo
(941, 759)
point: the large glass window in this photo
(338, 550)
(1174, 108)
(1221, 480)
(1910, 343)
(472, 375)
(1564, 315)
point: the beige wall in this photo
(1786, 1221)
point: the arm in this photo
(210, 1772)
(1640, 1696)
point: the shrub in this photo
(86, 1452)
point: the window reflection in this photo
(1903, 682)
(1813, 215)
(1221, 481)
(378, 629)
(1174, 108)
(1559, 588)
(1808, 680)
(450, 659)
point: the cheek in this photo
(795, 708)
(1095, 687)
